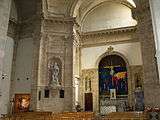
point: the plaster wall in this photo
(108, 15)
(90, 55)
(23, 69)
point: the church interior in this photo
(79, 60)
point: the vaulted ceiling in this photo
(66, 8)
(82, 9)
(84, 6)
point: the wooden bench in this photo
(51, 116)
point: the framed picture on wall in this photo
(112, 93)
(22, 103)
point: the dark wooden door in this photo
(88, 102)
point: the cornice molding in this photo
(60, 20)
(95, 44)
(109, 31)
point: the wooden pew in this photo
(74, 116)
(52, 116)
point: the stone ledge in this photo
(109, 31)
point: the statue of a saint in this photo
(55, 74)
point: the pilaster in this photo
(145, 34)
(56, 44)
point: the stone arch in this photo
(99, 4)
(115, 13)
(111, 53)
(83, 10)
(76, 5)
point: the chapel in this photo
(82, 58)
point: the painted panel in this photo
(113, 78)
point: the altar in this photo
(108, 105)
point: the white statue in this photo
(55, 73)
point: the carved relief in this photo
(55, 44)
(55, 72)
(138, 80)
(87, 84)
(88, 76)
(85, 5)
(137, 76)
(95, 38)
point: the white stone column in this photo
(4, 19)
(76, 89)
(155, 6)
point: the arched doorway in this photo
(113, 83)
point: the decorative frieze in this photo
(109, 32)
(108, 36)
(58, 26)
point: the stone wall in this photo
(56, 42)
(145, 35)
(154, 6)
(136, 80)
(6, 80)
(4, 13)
(22, 75)
(25, 59)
